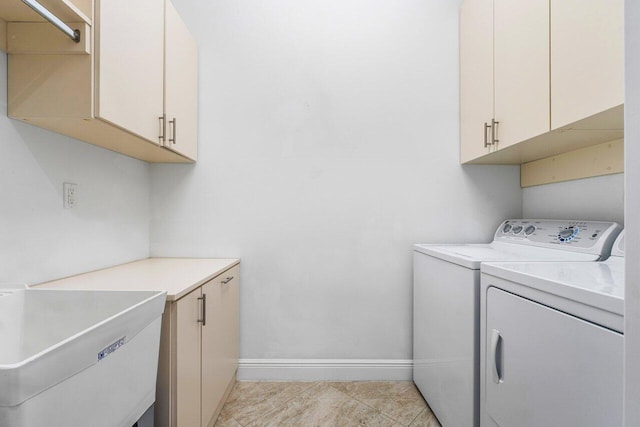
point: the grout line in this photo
(416, 417)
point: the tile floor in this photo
(371, 403)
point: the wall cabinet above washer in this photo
(539, 78)
(132, 92)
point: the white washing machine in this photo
(446, 303)
(552, 343)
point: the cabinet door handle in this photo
(173, 122)
(161, 136)
(204, 309)
(227, 280)
(496, 356)
(486, 138)
(494, 132)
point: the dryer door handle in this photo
(496, 355)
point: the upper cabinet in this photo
(521, 70)
(180, 86)
(130, 65)
(504, 74)
(131, 90)
(539, 77)
(587, 59)
(476, 78)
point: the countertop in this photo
(177, 276)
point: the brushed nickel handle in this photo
(227, 280)
(494, 132)
(203, 298)
(173, 122)
(162, 136)
(486, 139)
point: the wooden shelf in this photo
(598, 160)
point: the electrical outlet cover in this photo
(69, 194)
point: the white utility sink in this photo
(77, 358)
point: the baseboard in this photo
(325, 370)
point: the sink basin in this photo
(77, 358)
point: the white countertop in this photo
(177, 276)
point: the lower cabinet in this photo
(198, 353)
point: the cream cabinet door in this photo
(188, 358)
(181, 86)
(231, 318)
(129, 65)
(219, 341)
(476, 77)
(587, 58)
(521, 67)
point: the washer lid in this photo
(471, 255)
(598, 284)
(618, 245)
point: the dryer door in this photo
(544, 367)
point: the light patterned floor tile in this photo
(379, 389)
(226, 420)
(425, 419)
(250, 401)
(399, 400)
(324, 406)
(402, 410)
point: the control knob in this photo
(566, 233)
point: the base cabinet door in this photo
(188, 350)
(219, 341)
(547, 368)
(198, 353)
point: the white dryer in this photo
(552, 343)
(446, 303)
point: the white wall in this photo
(600, 198)
(39, 240)
(328, 145)
(632, 212)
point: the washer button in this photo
(506, 228)
(517, 229)
(529, 230)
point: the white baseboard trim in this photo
(325, 370)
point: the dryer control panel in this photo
(582, 236)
